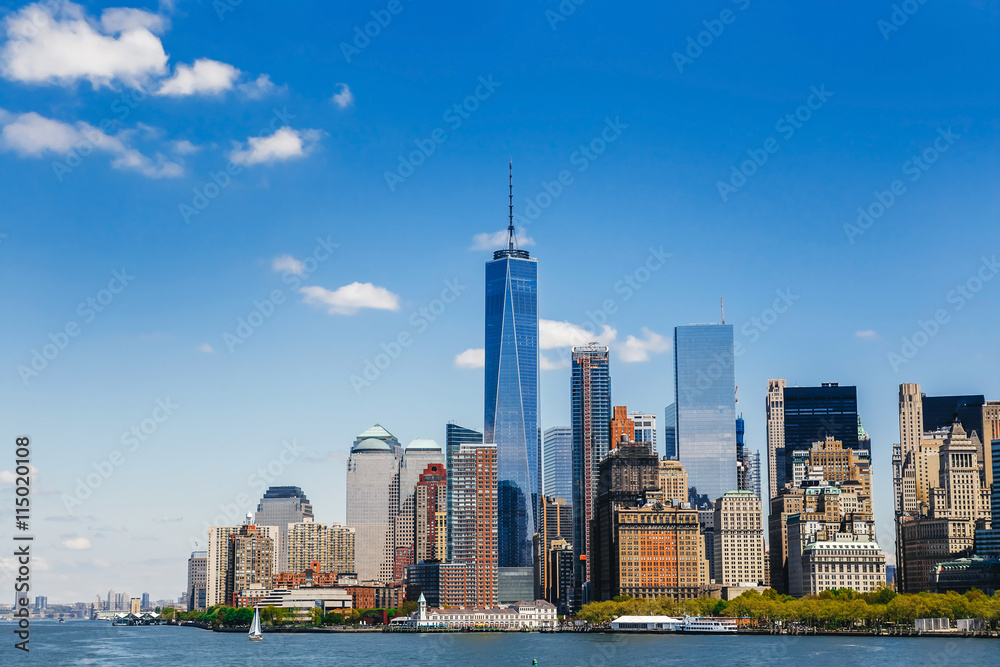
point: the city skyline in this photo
(199, 358)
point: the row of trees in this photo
(221, 615)
(843, 608)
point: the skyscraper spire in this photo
(510, 227)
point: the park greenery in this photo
(234, 617)
(834, 609)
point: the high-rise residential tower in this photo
(473, 477)
(417, 456)
(430, 532)
(197, 580)
(280, 506)
(373, 503)
(557, 464)
(705, 395)
(511, 416)
(590, 394)
(455, 436)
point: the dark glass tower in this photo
(455, 436)
(590, 393)
(813, 413)
(705, 399)
(512, 395)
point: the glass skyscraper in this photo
(557, 456)
(590, 394)
(454, 437)
(670, 432)
(512, 397)
(280, 506)
(812, 413)
(705, 399)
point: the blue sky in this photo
(226, 148)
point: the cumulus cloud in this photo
(289, 264)
(349, 299)
(10, 477)
(258, 88)
(553, 334)
(638, 349)
(474, 357)
(866, 334)
(547, 364)
(185, 147)
(66, 45)
(77, 543)
(31, 134)
(205, 77)
(284, 144)
(488, 241)
(343, 98)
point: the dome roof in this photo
(372, 445)
(422, 444)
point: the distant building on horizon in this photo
(705, 396)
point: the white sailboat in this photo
(255, 633)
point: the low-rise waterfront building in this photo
(536, 615)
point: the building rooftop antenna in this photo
(722, 305)
(510, 206)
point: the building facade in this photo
(197, 581)
(430, 514)
(332, 547)
(705, 396)
(373, 502)
(590, 394)
(474, 483)
(645, 427)
(455, 436)
(280, 506)
(555, 524)
(670, 431)
(739, 539)
(417, 456)
(621, 425)
(557, 462)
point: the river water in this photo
(99, 643)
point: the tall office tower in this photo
(800, 416)
(556, 523)
(622, 427)
(590, 393)
(419, 454)
(217, 565)
(511, 418)
(430, 503)
(775, 414)
(280, 506)
(560, 568)
(557, 463)
(197, 580)
(645, 427)
(705, 395)
(372, 505)
(945, 527)
(739, 539)
(252, 560)
(455, 436)
(144, 602)
(747, 463)
(626, 475)
(332, 547)
(670, 431)
(473, 479)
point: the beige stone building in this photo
(332, 546)
(739, 539)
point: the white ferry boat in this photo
(708, 625)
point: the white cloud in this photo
(167, 519)
(185, 147)
(206, 348)
(205, 77)
(343, 98)
(284, 144)
(258, 88)
(9, 477)
(77, 543)
(349, 299)
(474, 357)
(289, 264)
(638, 349)
(487, 241)
(30, 134)
(866, 334)
(553, 334)
(66, 45)
(547, 364)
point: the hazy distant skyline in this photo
(260, 160)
